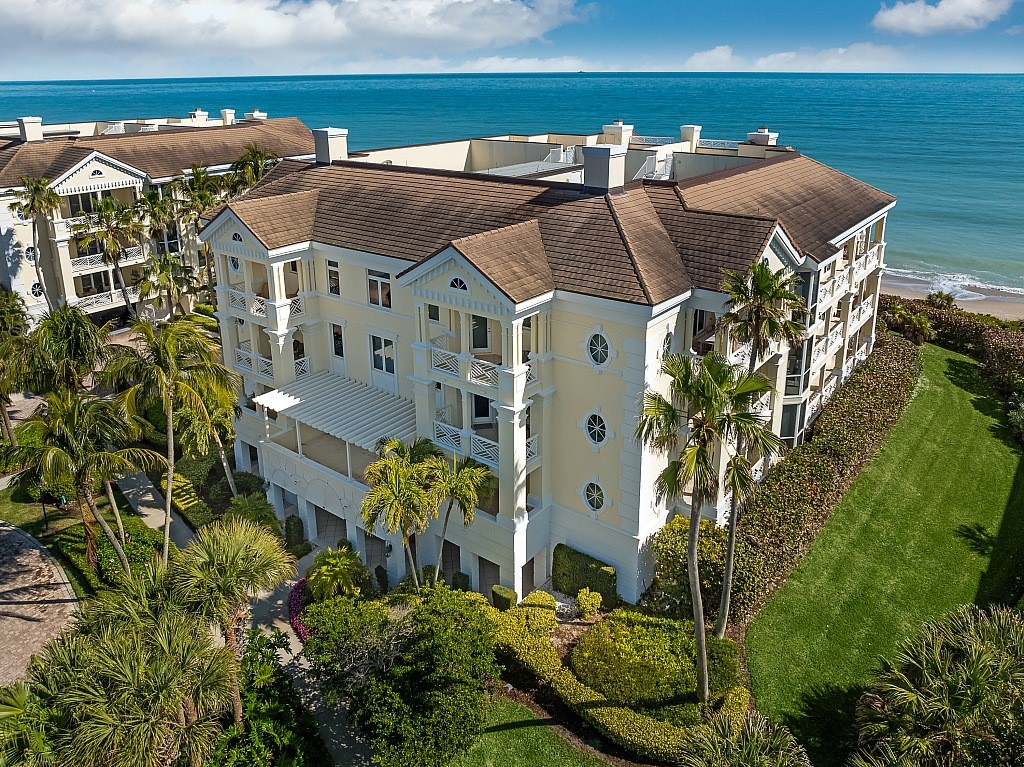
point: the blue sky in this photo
(80, 39)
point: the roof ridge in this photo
(629, 248)
(718, 175)
(722, 213)
(488, 232)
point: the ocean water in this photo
(951, 147)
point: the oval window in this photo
(593, 494)
(36, 290)
(234, 263)
(30, 254)
(598, 349)
(597, 429)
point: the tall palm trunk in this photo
(113, 507)
(169, 411)
(722, 623)
(38, 262)
(231, 642)
(228, 474)
(116, 257)
(444, 532)
(412, 564)
(106, 529)
(699, 631)
(8, 427)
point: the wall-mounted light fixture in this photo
(387, 549)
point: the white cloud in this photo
(718, 59)
(261, 35)
(917, 17)
(858, 57)
(1016, 29)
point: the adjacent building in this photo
(511, 298)
(121, 159)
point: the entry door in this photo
(451, 561)
(528, 577)
(489, 576)
(481, 338)
(482, 411)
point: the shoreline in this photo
(998, 303)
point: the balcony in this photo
(468, 367)
(97, 301)
(247, 303)
(249, 362)
(66, 228)
(98, 261)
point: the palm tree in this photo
(918, 328)
(174, 365)
(691, 425)
(200, 432)
(165, 277)
(157, 211)
(256, 508)
(336, 572)
(67, 438)
(761, 310)
(196, 192)
(115, 224)
(399, 498)
(34, 201)
(753, 741)
(254, 163)
(67, 347)
(465, 483)
(25, 728)
(14, 354)
(227, 565)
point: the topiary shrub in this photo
(460, 581)
(187, 502)
(539, 612)
(669, 593)
(573, 570)
(207, 310)
(503, 597)
(294, 530)
(588, 603)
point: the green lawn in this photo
(936, 520)
(517, 737)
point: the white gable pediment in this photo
(97, 173)
(440, 280)
(228, 234)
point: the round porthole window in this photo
(597, 429)
(36, 290)
(598, 349)
(593, 494)
(30, 254)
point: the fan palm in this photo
(761, 310)
(254, 163)
(114, 224)
(175, 366)
(256, 508)
(34, 201)
(14, 354)
(227, 565)
(336, 572)
(399, 498)
(67, 347)
(67, 438)
(465, 483)
(692, 424)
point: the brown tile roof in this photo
(513, 257)
(281, 220)
(159, 154)
(709, 242)
(814, 202)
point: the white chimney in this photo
(30, 128)
(199, 114)
(227, 116)
(331, 144)
(604, 166)
(763, 137)
(616, 133)
(256, 114)
(690, 133)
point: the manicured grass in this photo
(517, 737)
(19, 510)
(936, 520)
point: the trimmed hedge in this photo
(573, 570)
(460, 581)
(70, 545)
(186, 500)
(527, 648)
(503, 597)
(800, 493)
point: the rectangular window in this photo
(379, 288)
(97, 282)
(383, 354)
(798, 368)
(293, 267)
(91, 248)
(792, 422)
(337, 334)
(433, 312)
(333, 278)
(481, 337)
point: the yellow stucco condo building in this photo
(87, 161)
(510, 298)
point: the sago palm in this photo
(114, 226)
(466, 484)
(36, 201)
(336, 572)
(227, 565)
(67, 347)
(67, 438)
(26, 728)
(173, 365)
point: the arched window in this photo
(593, 495)
(597, 429)
(236, 237)
(234, 263)
(96, 173)
(598, 349)
(458, 283)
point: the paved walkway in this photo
(270, 612)
(36, 600)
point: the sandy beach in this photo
(1007, 306)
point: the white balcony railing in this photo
(444, 415)
(484, 450)
(297, 307)
(483, 372)
(531, 373)
(835, 337)
(828, 391)
(444, 361)
(134, 253)
(103, 300)
(238, 300)
(842, 282)
(301, 367)
(447, 436)
(848, 367)
(862, 352)
(763, 403)
(258, 306)
(254, 363)
(533, 447)
(88, 263)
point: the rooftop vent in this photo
(30, 128)
(256, 114)
(763, 137)
(227, 116)
(331, 144)
(199, 114)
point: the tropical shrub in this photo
(670, 591)
(337, 572)
(753, 741)
(587, 603)
(143, 545)
(279, 730)
(460, 581)
(256, 508)
(207, 310)
(953, 695)
(294, 530)
(220, 494)
(1003, 357)
(187, 502)
(941, 299)
(573, 570)
(296, 604)
(503, 597)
